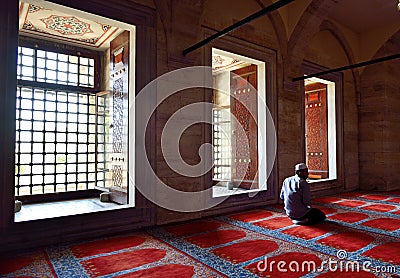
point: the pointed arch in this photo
(308, 25)
(278, 25)
(390, 47)
(328, 25)
(178, 30)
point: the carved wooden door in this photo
(316, 119)
(243, 108)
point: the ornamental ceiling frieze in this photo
(49, 24)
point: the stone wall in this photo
(182, 24)
(380, 121)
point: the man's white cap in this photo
(300, 166)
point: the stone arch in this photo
(328, 25)
(179, 32)
(163, 7)
(308, 25)
(278, 25)
(390, 47)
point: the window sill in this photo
(320, 180)
(220, 191)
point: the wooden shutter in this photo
(243, 106)
(316, 119)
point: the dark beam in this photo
(248, 19)
(362, 64)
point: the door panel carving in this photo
(244, 146)
(316, 119)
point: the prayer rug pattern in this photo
(361, 227)
(251, 216)
(350, 217)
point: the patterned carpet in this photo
(362, 233)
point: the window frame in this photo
(261, 111)
(309, 68)
(263, 54)
(145, 20)
(61, 48)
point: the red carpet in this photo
(351, 194)
(275, 223)
(105, 246)
(122, 261)
(309, 232)
(349, 217)
(293, 259)
(388, 224)
(351, 204)
(349, 241)
(195, 249)
(247, 250)
(347, 274)
(251, 216)
(396, 212)
(170, 271)
(8, 265)
(394, 200)
(216, 238)
(374, 197)
(327, 200)
(194, 228)
(326, 210)
(380, 208)
(388, 252)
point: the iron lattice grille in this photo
(56, 142)
(57, 68)
(222, 144)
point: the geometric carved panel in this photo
(243, 108)
(118, 98)
(117, 175)
(313, 117)
(316, 119)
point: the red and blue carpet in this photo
(359, 239)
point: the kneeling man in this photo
(297, 198)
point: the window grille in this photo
(59, 145)
(57, 68)
(222, 144)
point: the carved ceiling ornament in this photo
(50, 24)
(67, 25)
